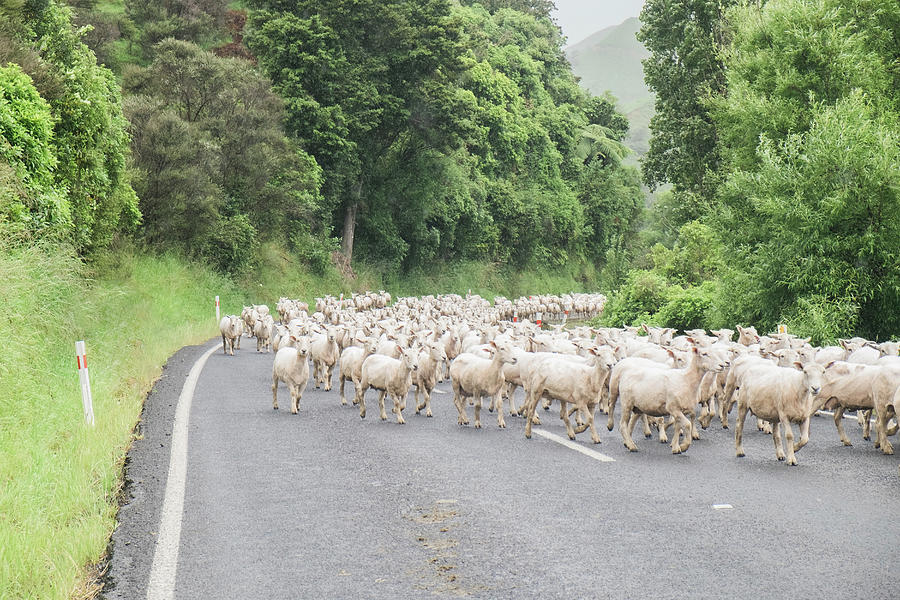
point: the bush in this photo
(689, 308)
(231, 244)
(821, 318)
(644, 293)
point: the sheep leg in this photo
(329, 371)
(360, 399)
(881, 420)
(529, 407)
(399, 403)
(477, 404)
(419, 406)
(341, 381)
(295, 398)
(501, 423)
(804, 435)
(839, 423)
(611, 407)
(427, 393)
(648, 433)
(789, 440)
(739, 429)
(275, 393)
(776, 436)
(595, 437)
(224, 346)
(546, 404)
(564, 415)
(682, 428)
(661, 426)
(625, 427)
(460, 404)
(695, 434)
(381, 404)
(867, 425)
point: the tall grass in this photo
(59, 478)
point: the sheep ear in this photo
(670, 353)
(645, 327)
(798, 365)
(400, 348)
(493, 343)
(294, 338)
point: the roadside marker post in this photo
(516, 316)
(539, 320)
(782, 329)
(87, 402)
(218, 318)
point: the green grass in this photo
(59, 478)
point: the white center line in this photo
(572, 445)
(437, 391)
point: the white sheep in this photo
(782, 396)
(324, 353)
(391, 376)
(292, 368)
(475, 377)
(230, 329)
(263, 333)
(351, 365)
(431, 359)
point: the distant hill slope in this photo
(610, 60)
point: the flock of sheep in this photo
(489, 350)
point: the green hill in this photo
(610, 60)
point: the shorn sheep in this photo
(389, 375)
(292, 368)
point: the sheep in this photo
(351, 366)
(431, 360)
(263, 333)
(475, 377)
(569, 382)
(886, 388)
(782, 396)
(292, 368)
(391, 376)
(230, 328)
(663, 392)
(324, 352)
(747, 336)
(851, 386)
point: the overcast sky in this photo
(580, 18)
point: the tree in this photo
(353, 74)
(217, 172)
(684, 38)
(811, 133)
(89, 139)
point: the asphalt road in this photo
(326, 505)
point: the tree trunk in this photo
(349, 230)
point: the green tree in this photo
(29, 195)
(89, 140)
(811, 133)
(354, 76)
(684, 38)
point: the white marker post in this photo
(217, 310)
(86, 400)
(516, 315)
(342, 301)
(539, 320)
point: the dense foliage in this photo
(797, 171)
(91, 197)
(479, 144)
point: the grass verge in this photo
(59, 478)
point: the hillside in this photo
(610, 60)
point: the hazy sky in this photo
(581, 18)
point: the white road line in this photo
(437, 391)
(165, 559)
(577, 447)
